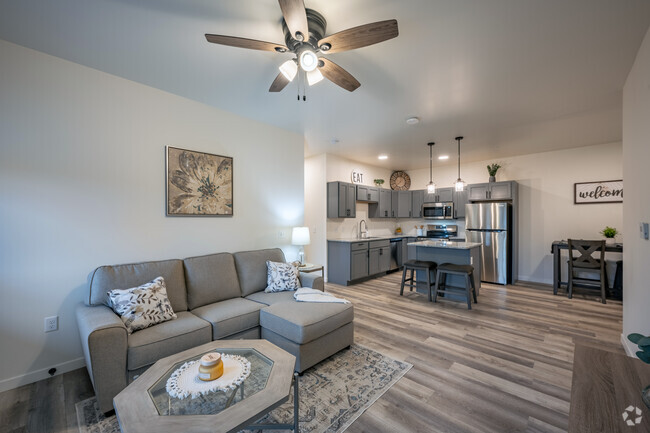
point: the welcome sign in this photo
(609, 191)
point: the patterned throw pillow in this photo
(144, 306)
(281, 277)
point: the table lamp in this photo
(300, 236)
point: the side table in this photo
(311, 267)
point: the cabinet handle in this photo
(486, 194)
(381, 251)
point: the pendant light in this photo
(431, 187)
(460, 185)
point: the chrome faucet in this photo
(363, 233)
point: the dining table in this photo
(557, 247)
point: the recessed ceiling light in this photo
(413, 120)
(443, 157)
(382, 157)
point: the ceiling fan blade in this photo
(295, 16)
(361, 36)
(338, 75)
(279, 83)
(252, 44)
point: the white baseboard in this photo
(35, 376)
(629, 347)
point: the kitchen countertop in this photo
(445, 244)
(371, 238)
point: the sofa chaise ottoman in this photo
(217, 296)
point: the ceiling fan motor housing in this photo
(317, 25)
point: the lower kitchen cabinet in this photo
(351, 261)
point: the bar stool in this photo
(417, 265)
(466, 271)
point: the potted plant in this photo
(379, 182)
(492, 171)
(643, 354)
(609, 233)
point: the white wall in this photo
(82, 184)
(316, 208)
(636, 154)
(546, 209)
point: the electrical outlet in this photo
(51, 323)
(282, 234)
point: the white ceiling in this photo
(512, 76)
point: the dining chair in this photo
(585, 262)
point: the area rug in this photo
(333, 393)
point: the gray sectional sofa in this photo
(218, 296)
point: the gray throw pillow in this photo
(281, 277)
(143, 306)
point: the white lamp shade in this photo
(289, 69)
(300, 236)
(314, 77)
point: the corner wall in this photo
(82, 184)
(636, 155)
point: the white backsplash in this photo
(349, 227)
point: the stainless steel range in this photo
(440, 231)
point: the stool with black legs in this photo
(466, 271)
(417, 265)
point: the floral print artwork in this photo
(198, 183)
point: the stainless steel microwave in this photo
(438, 211)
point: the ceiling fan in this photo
(303, 34)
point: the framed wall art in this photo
(606, 191)
(198, 183)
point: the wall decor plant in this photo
(492, 171)
(198, 183)
(379, 182)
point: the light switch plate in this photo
(645, 231)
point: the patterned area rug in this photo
(333, 393)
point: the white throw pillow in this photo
(281, 277)
(143, 306)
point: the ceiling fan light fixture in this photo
(289, 69)
(314, 77)
(308, 60)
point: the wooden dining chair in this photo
(586, 262)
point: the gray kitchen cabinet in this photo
(341, 200)
(378, 257)
(358, 264)
(384, 207)
(367, 194)
(490, 191)
(440, 196)
(401, 204)
(460, 200)
(417, 198)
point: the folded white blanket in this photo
(306, 294)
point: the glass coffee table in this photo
(145, 405)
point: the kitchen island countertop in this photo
(372, 238)
(445, 244)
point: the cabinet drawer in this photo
(358, 246)
(379, 244)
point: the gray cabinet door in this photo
(344, 210)
(385, 203)
(460, 200)
(373, 261)
(384, 259)
(430, 198)
(358, 264)
(351, 200)
(417, 198)
(501, 191)
(445, 195)
(362, 193)
(393, 204)
(478, 191)
(403, 204)
(373, 194)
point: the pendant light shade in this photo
(431, 187)
(460, 184)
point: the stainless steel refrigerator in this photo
(490, 225)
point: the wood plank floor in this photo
(504, 366)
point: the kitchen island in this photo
(458, 253)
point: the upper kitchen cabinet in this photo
(417, 198)
(367, 193)
(460, 200)
(440, 196)
(401, 204)
(384, 207)
(341, 200)
(491, 191)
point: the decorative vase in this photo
(493, 179)
(645, 394)
(610, 241)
